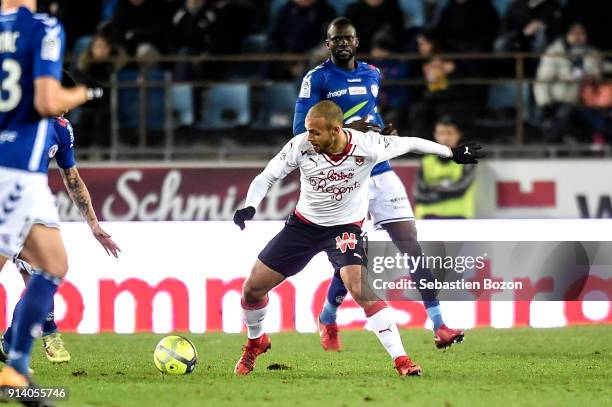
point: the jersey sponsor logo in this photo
(346, 241)
(8, 136)
(337, 93)
(53, 150)
(374, 90)
(305, 89)
(353, 80)
(359, 160)
(342, 184)
(357, 90)
(51, 45)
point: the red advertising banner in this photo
(182, 193)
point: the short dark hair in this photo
(450, 120)
(341, 22)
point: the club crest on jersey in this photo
(346, 241)
(305, 89)
(359, 160)
(53, 151)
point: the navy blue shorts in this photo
(294, 246)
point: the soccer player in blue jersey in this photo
(61, 147)
(354, 86)
(31, 54)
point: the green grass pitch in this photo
(546, 367)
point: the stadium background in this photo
(195, 108)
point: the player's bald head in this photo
(328, 111)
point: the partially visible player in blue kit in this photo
(60, 146)
(354, 86)
(31, 57)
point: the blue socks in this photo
(335, 295)
(434, 313)
(29, 318)
(48, 328)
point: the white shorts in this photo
(25, 200)
(388, 200)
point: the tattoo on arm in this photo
(78, 193)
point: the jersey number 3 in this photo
(10, 85)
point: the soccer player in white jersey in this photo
(31, 54)
(354, 86)
(335, 165)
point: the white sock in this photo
(385, 328)
(253, 317)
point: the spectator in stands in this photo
(392, 100)
(78, 17)
(372, 16)
(97, 64)
(141, 26)
(595, 16)
(444, 189)
(565, 64)
(468, 25)
(189, 36)
(596, 112)
(439, 96)
(298, 28)
(530, 25)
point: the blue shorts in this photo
(299, 241)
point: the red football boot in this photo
(251, 350)
(330, 340)
(445, 337)
(406, 367)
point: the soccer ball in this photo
(175, 355)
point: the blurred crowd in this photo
(569, 99)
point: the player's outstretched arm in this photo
(388, 147)
(279, 167)
(80, 196)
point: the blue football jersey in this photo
(31, 47)
(356, 92)
(60, 144)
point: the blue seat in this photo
(277, 108)
(182, 104)
(251, 44)
(275, 6)
(226, 106)
(128, 99)
(415, 10)
(501, 6)
(503, 96)
(341, 5)
(437, 14)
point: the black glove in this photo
(467, 153)
(243, 214)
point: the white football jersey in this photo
(334, 188)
